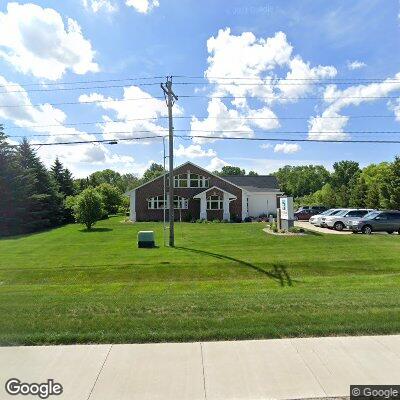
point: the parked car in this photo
(304, 213)
(339, 221)
(377, 221)
(316, 220)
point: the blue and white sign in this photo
(286, 206)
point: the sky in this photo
(91, 70)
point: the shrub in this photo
(88, 208)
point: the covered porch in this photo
(214, 203)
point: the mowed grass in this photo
(222, 281)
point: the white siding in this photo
(262, 203)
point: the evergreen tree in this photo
(13, 190)
(65, 186)
(44, 203)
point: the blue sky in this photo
(45, 42)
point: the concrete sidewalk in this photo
(259, 369)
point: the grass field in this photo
(222, 281)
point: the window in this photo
(155, 203)
(214, 203)
(180, 181)
(191, 180)
(158, 202)
(180, 203)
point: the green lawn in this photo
(222, 281)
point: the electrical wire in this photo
(116, 140)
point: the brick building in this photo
(200, 194)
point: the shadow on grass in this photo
(93, 230)
(278, 273)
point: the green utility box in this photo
(146, 239)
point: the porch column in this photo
(203, 206)
(226, 213)
(132, 208)
(245, 211)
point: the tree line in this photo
(33, 198)
(348, 185)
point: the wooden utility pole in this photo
(170, 99)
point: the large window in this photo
(191, 180)
(159, 202)
(214, 203)
(180, 181)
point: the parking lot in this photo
(311, 227)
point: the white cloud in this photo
(131, 116)
(265, 146)
(245, 68)
(300, 79)
(85, 157)
(395, 107)
(194, 151)
(331, 124)
(143, 6)
(216, 164)
(220, 118)
(352, 65)
(35, 40)
(99, 5)
(287, 148)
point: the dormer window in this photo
(189, 180)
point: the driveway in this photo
(310, 227)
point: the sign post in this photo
(286, 213)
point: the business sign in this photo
(286, 206)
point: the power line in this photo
(258, 78)
(281, 82)
(198, 117)
(112, 141)
(198, 96)
(203, 130)
(81, 82)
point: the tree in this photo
(63, 178)
(302, 180)
(343, 172)
(373, 199)
(13, 190)
(358, 193)
(88, 207)
(252, 173)
(152, 172)
(392, 185)
(230, 170)
(111, 197)
(325, 196)
(43, 202)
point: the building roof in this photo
(257, 183)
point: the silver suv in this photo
(341, 219)
(377, 221)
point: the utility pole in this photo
(170, 99)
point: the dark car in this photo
(304, 213)
(378, 221)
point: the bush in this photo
(88, 208)
(274, 227)
(216, 221)
(247, 219)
